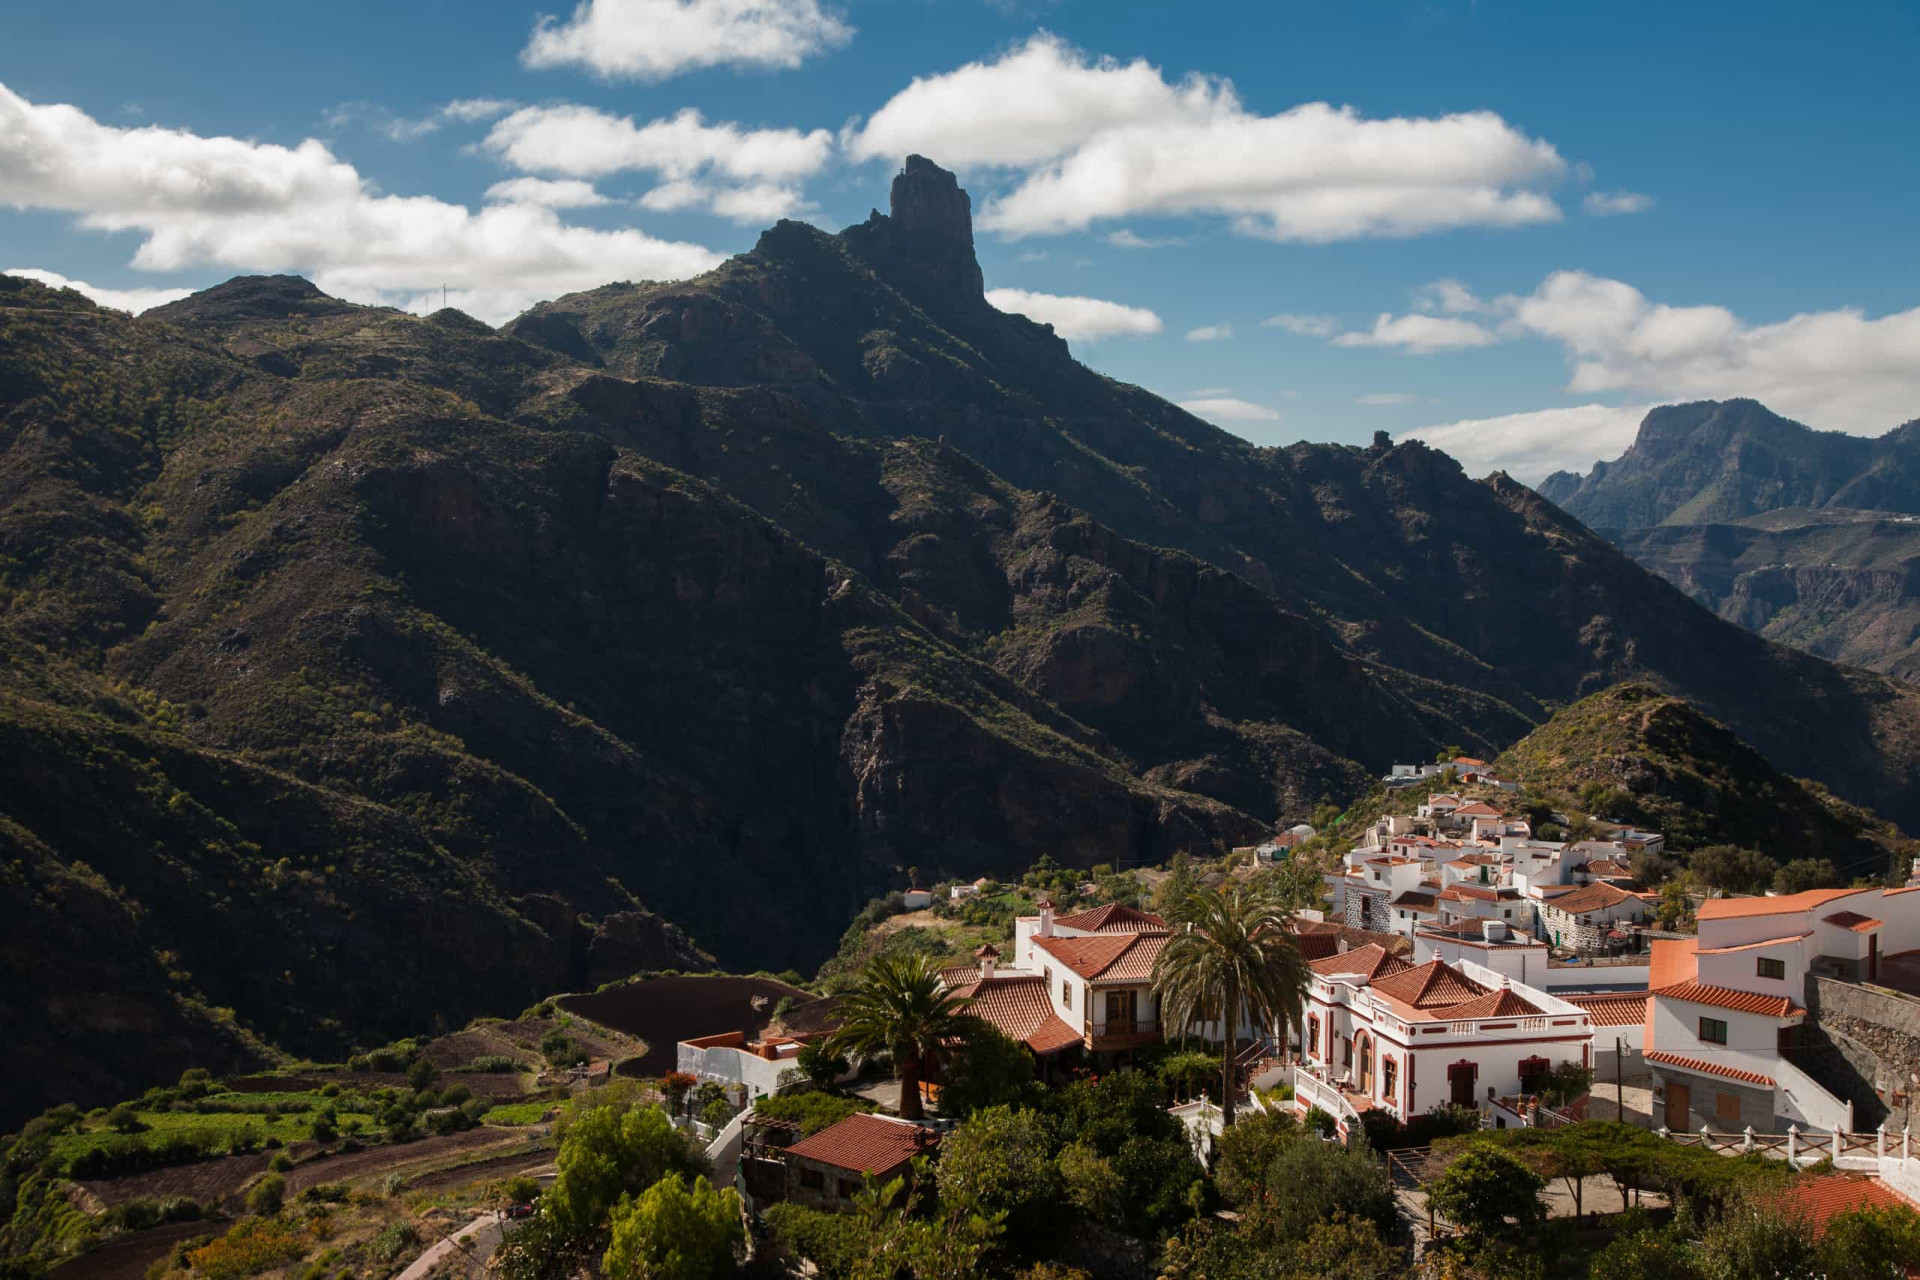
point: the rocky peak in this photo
(927, 242)
(928, 200)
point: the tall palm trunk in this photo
(910, 1108)
(1231, 1017)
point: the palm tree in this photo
(900, 1008)
(1231, 948)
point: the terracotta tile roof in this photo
(1471, 762)
(1414, 900)
(1432, 985)
(1113, 957)
(1707, 1068)
(1597, 896)
(1112, 918)
(1478, 809)
(1370, 961)
(1728, 998)
(1852, 920)
(1018, 1004)
(1608, 867)
(1317, 946)
(1818, 1200)
(1752, 946)
(1613, 1008)
(1495, 1004)
(960, 975)
(866, 1144)
(1731, 908)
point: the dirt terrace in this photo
(664, 1011)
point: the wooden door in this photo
(1120, 1012)
(1460, 1078)
(1678, 1106)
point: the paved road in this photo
(485, 1232)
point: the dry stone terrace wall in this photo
(1876, 1032)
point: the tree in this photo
(1243, 1154)
(1312, 1182)
(1645, 1255)
(124, 1119)
(1732, 869)
(1757, 1237)
(607, 1153)
(1807, 873)
(1091, 1183)
(1232, 950)
(1182, 1069)
(1176, 887)
(1001, 1160)
(672, 1232)
(422, 1074)
(821, 1063)
(1866, 1244)
(267, 1195)
(1567, 1083)
(1651, 867)
(990, 1069)
(1484, 1188)
(900, 1007)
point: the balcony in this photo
(1121, 1034)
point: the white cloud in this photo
(567, 193)
(1210, 333)
(1127, 239)
(1419, 335)
(1305, 326)
(1228, 409)
(1379, 398)
(749, 175)
(411, 129)
(1447, 296)
(1607, 203)
(1090, 139)
(248, 206)
(1077, 319)
(134, 300)
(1833, 369)
(655, 39)
(1529, 446)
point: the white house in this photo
(1580, 919)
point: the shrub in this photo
(323, 1127)
(422, 1074)
(836, 1243)
(393, 1240)
(1001, 1160)
(252, 1246)
(1485, 1187)
(267, 1195)
(607, 1153)
(123, 1119)
(326, 1193)
(672, 1232)
(493, 1063)
(811, 1110)
(280, 1163)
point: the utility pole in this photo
(1619, 1089)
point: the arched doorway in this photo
(1363, 1065)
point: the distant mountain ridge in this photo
(1808, 537)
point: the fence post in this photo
(1836, 1146)
(1664, 1133)
(1793, 1144)
(1706, 1138)
(1880, 1141)
(1747, 1143)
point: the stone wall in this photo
(1875, 1033)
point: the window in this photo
(1766, 968)
(1726, 1107)
(1713, 1030)
(812, 1180)
(847, 1187)
(1313, 1037)
(1046, 975)
(1389, 1079)
(1066, 994)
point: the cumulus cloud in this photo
(1447, 296)
(1605, 204)
(567, 193)
(1834, 369)
(412, 128)
(1420, 335)
(1530, 446)
(1210, 333)
(1077, 319)
(134, 300)
(1090, 139)
(655, 39)
(749, 175)
(1380, 398)
(1127, 239)
(247, 206)
(1229, 409)
(1305, 326)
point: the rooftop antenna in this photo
(443, 296)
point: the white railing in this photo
(1886, 1154)
(1811, 1100)
(726, 1145)
(1310, 1090)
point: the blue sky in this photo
(1632, 203)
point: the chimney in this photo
(986, 954)
(1046, 917)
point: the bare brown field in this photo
(664, 1011)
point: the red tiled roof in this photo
(1728, 998)
(1852, 920)
(1750, 946)
(866, 1144)
(1731, 908)
(1469, 760)
(1707, 1068)
(1818, 1200)
(1613, 1008)
(1414, 900)
(1020, 1007)
(1114, 917)
(1593, 897)
(1432, 985)
(1478, 809)
(1317, 946)
(960, 975)
(1495, 1004)
(1113, 957)
(1370, 961)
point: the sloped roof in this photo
(1019, 1006)
(1818, 1200)
(1732, 908)
(1728, 998)
(1752, 946)
(1597, 896)
(1852, 920)
(1370, 961)
(1613, 1008)
(1478, 809)
(866, 1144)
(1114, 917)
(1503, 1003)
(1414, 900)
(1109, 957)
(1433, 985)
(1707, 1068)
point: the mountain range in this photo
(361, 671)
(1811, 538)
